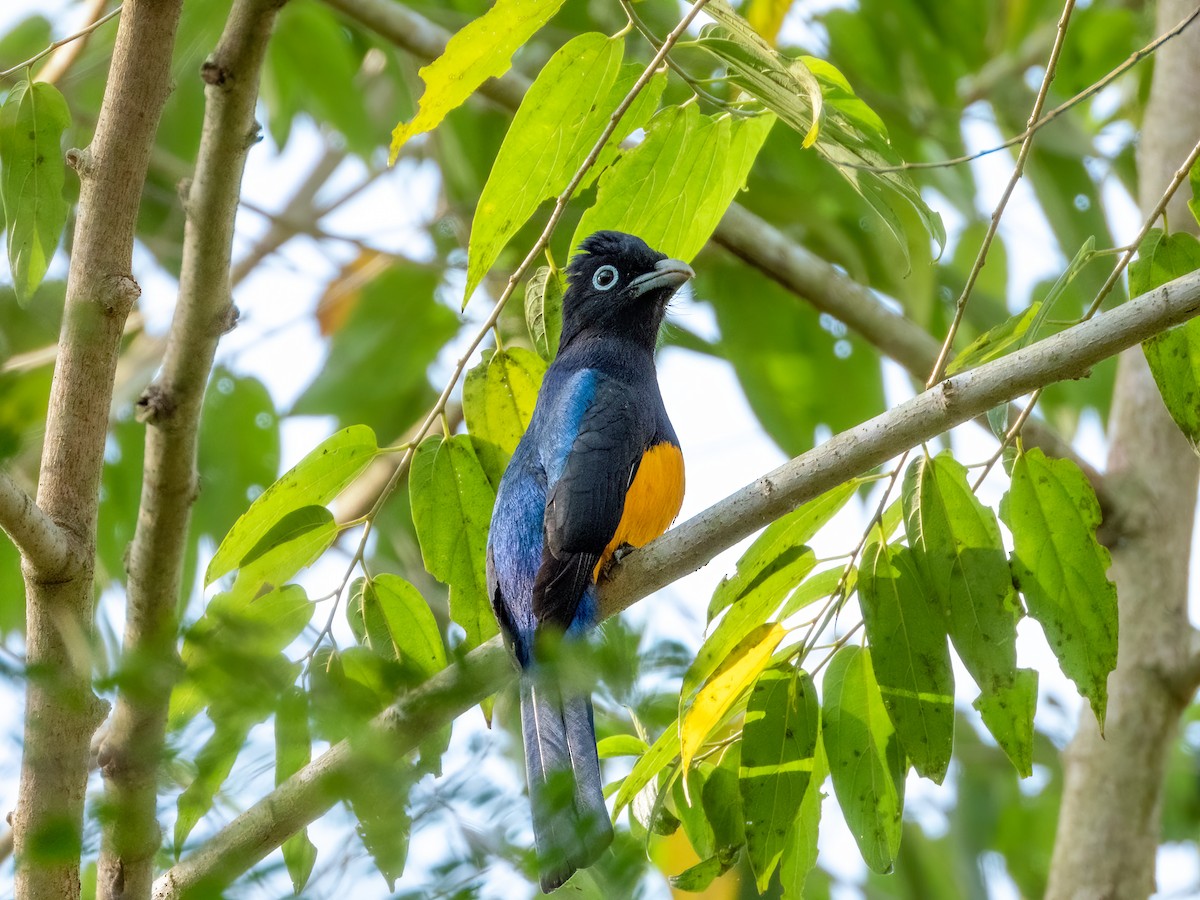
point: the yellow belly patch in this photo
(652, 502)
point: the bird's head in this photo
(618, 285)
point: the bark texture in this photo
(170, 407)
(61, 712)
(1109, 826)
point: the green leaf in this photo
(1060, 568)
(291, 544)
(995, 342)
(32, 172)
(865, 757)
(452, 508)
(674, 187)
(907, 634)
(759, 566)
(561, 117)
(293, 751)
(779, 743)
(620, 745)
(378, 795)
(687, 793)
(957, 547)
(777, 82)
(291, 84)
(237, 456)
(1174, 355)
(729, 682)
(483, 49)
(499, 395)
(543, 310)
(214, 762)
(800, 848)
(750, 610)
(638, 114)
(314, 481)
(847, 133)
(1007, 712)
(1084, 255)
(819, 586)
(660, 755)
(233, 653)
(721, 799)
(698, 877)
(411, 625)
(366, 620)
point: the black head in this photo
(617, 285)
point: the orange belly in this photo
(652, 502)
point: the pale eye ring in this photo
(605, 278)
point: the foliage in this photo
(728, 748)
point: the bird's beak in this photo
(668, 273)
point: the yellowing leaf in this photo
(766, 16)
(727, 685)
(483, 49)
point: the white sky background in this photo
(277, 341)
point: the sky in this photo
(278, 342)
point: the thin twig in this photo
(54, 46)
(1177, 180)
(64, 56)
(939, 367)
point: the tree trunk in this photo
(1108, 829)
(61, 712)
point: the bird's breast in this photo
(652, 501)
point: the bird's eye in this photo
(605, 278)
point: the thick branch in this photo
(171, 407)
(45, 547)
(1070, 354)
(750, 238)
(61, 712)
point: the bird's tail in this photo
(570, 821)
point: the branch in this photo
(69, 49)
(45, 547)
(744, 234)
(53, 75)
(1069, 354)
(805, 274)
(171, 407)
(61, 712)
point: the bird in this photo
(599, 470)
